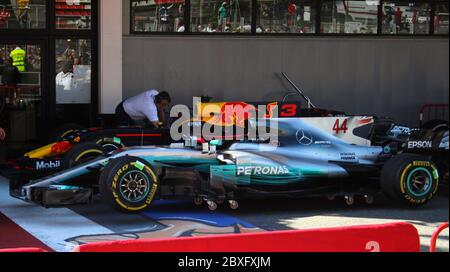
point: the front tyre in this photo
(60, 133)
(410, 179)
(128, 184)
(81, 153)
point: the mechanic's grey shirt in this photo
(142, 106)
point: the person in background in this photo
(398, 19)
(181, 27)
(201, 28)
(164, 17)
(2, 134)
(2, 65)
(83, 22)
(10, 74)
(209, 27)
(149, 105)
(65, 78)
(2, 131)
(223, 15)
(18, 56)
(23, 14)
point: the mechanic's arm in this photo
(162, 116)
(152, 115)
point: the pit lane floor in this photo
(63, 228)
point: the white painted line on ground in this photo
(51, 226)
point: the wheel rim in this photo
(420, 182)
(109, 148)
(134, 186)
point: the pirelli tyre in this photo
(128, 184)
(63, 131)
(81, 153)
(410, 179)
(110, 144)
(436, 125)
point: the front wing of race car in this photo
(53, 191)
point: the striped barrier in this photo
(397, 237)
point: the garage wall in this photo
(382, 76)
(110, 57)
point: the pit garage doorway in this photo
(22, 93)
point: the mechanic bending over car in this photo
(147, 106)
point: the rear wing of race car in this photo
(415, 140)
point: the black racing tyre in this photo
(81, 153)
(410, 179)
(436, 125)
(128, 184)
(110, 144)
(63, 131)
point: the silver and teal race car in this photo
(307, 159)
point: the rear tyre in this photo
(128, 184)
(109, 145)
(81, 153)
(63, 131)
(410, 179)
(436, 125)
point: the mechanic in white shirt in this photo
(149, 105)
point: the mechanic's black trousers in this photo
(122, 117)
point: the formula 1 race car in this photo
(73, 145)
(305, 161)
(319, 152)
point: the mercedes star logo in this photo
(304, 137)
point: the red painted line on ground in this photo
(13, 236)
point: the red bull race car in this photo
(73, 145)
(76, 145)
